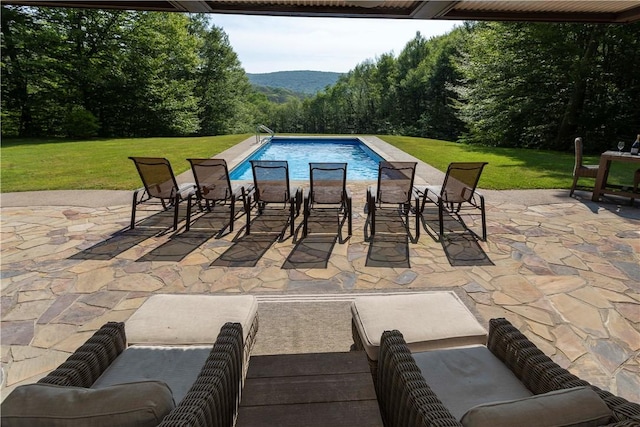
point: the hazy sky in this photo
(266, 43)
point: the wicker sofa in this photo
(407, 400)
(67, 396)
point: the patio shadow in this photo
(388, 250)
(464, 250)
(247, 250)
(125, 239)
(311, 252)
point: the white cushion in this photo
(574, 407)
(142, 404)
(427, 321)
(188, 319)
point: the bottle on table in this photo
(635, 148)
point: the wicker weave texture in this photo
(406, 400)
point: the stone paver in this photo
(566, 273)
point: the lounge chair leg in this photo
(350, 217)
(233, 213)
(417, 219)
(188, 225)
(175, 213)
(292, 215)
(247, 211)
(484, 219)
(305, 217)
(441, 220)
(133, 209)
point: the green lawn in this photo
(509, 168)
(103, 164)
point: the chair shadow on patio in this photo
(179, 245)
(459, 243)
(157, 224)
(247, 249)
(314, 251)
(389, 247)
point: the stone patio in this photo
(566, 271)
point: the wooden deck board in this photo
(323, 389)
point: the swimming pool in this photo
(299, 152)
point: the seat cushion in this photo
(176, 366)
(468, 376)
(137, 404)
(188, 319)
(574, 407)
(427, 321)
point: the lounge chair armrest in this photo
(91, 359)
(213, 399)
(540, 374)
(405, 398)
(242, 190)
(348, 193)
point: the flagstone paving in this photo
(565, 271)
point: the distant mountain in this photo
(307, 82)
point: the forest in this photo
(90, 73)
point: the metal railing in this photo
(265, 129)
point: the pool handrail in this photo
(262, 128)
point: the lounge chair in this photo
(580, 170)
(271, 186)
(457, 192)
(159, 183)
(328, 191)
(508, 382)
(213, 187)
(394, 191)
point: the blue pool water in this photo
(362, 162)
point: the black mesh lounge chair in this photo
(213, 187)
(458, 191)
(580, 170)
(394, 191)
(159, 183)
(407, 398)
(271, 186)
(328, 191)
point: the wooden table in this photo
(603, 173)
(320, 389)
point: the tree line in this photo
(80, 73)
(86, 72)
(535, 85)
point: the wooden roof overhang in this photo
(611, 11)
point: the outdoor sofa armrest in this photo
(540, 374)
(213, 399)
(405, 398)
(91, 359)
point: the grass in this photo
(29, 165)
(509, 168)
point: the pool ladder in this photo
(259, 130)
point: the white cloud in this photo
(266, 43)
